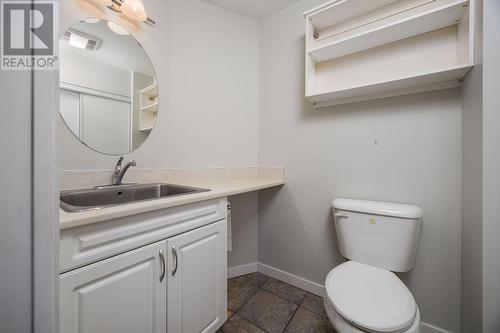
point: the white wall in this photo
(244, 230)
(29, 220)
(206, 59)
(15, 202)
(87, 72)
(472, 190)
(331, 153)
(491, 168)
(207, 64)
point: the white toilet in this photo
(363, 294)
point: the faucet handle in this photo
(133, 163)
(118, 169)
(118, 166)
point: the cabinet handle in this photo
(163, 266)
(176, 260)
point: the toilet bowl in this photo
(363, 294)
(360, 298)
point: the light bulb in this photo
(92, 21)
(118, 29)
(78, 41)
(104, 2)
(134, 9)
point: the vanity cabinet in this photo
(125, 293)
(197, 280)
(174, 284)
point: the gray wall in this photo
(491, 168)
(472, 190)
(331, 153)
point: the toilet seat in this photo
(370, 298)
(342, 326)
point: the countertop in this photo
(218, 188)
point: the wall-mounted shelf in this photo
(359, 50)
(420, 23)
(151, 107)
(151, 91)
(443, 79)
(149, 104)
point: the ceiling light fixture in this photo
(134, 9)
(118, 29)
(78, 41)
(104, 2)
(94, 20)
(82, 40)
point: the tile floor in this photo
(259, 304)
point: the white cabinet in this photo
(175, 284)
(149, 104)
(358, 50)
(125, 294)
(87, 244)
(197, 280)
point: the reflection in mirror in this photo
(108, 89)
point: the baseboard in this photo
(294, 280)
(428, 328)
(241, 270)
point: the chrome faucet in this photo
(120, 171)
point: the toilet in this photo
(363, 294)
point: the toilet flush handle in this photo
(340, 215)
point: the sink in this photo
(108, 196)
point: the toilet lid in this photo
(371, 298)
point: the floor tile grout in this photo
(281, 298)
(251, 322)
(319, 314)
(249, 319)
(289, 321)
(256, 291)
(246, 300)
(260, 288)
(267, 291)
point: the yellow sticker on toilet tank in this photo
(372, 221)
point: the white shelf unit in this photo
(358, 50)
(150, 107)
(146, 129)
(149, 103)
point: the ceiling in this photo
(257, 9)
(123, 52)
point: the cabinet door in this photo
(197, 280)
(123, 294)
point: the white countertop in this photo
(218, 188)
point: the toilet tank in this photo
(379, 234)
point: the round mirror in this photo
(109, 95)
